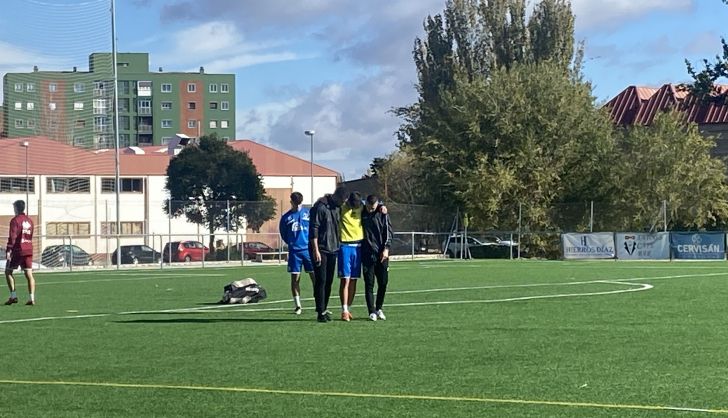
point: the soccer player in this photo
(352, 235)
(375, 255)
(323, 241)
(293, 228)
(19, 252)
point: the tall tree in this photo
(703, 85)
(203, 178)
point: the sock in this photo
(297, 301)
(344, 308)
(13, 294)
(32, 297)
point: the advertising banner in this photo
(697, 245)
(598, 245)
(642, 246)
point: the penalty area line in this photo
(484, 400)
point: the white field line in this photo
(253, 307)
(156, 276)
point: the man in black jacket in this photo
(375, 255)
(323, 240)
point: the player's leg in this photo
(382, 273)
(31, 286)
(11, 285)
(294, 267)
(319, 288)
(368, 266)
(330, 272)
(355, 257)
(344, 275)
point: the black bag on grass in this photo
(243, 291)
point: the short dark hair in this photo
(339, 195)
(372, 199)
(354, 197)
(296, 198)
(19, 205)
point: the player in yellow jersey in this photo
(352, 234)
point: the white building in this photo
(72, 191)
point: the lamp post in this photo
(311, 133)
(26, 145)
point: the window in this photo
(52, 87)
(191, 87)
(213, 124)
(68, 185)
(225, 138)
(30, 87)
(79, 141)
(166, 123)
(58, 229)
(79, 87)
(123, 105)
(18, 105)
(18, 123)
(166, 139)
(80, 123)
(31, 123)
(225, 105)
(99, 106)
(124, 140)
(224, 124)
(127, 228)
(144, 88)
(78, 106)
(213, 88)
(30, 106)
(224, 88)
(191, 105)
(144, 107)
(51, 106)
(213, 105)
(99, 88)
(17, 184)
(123, 87)
(18, 86)
(128, 185)
(166, 105)
(166, 88)
(101, 124)
(124, 123)
(192, 123)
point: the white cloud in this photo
(592, 14)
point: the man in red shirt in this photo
(19, 252)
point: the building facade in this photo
(76, 107)
(72, 197)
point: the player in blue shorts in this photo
(352, 235)
(293, 228)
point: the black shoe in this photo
(321, 318)
(327, 317)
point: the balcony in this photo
(144, 129)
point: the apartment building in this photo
(76, 107)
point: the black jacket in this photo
(377, 232)
(324, 225)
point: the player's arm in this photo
(388, 234)
(313, 233)
(282, 229)
(12, 236)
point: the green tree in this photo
(202, 178)
(703, 85)
(669, 160)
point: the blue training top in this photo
(294, 229)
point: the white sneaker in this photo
(297, 311)
(373, 317)
(380, 315)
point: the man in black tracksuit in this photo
(323, 241)
(375, 255)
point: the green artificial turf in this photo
(495, 338)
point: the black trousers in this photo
(323, 278)
(374, 268)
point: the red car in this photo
(250, 249)
(184, 251)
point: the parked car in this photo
(184, 251)
(137, 254)
(250, 249)
(64, 255)
(489, 246)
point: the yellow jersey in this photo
(350, 224)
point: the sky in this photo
(337, 66)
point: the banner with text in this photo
(698, 245)
(642, 246)
(588, 246)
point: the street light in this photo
(311, 133)
(26, 145)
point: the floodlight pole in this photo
(116, 129)
(311, 133)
